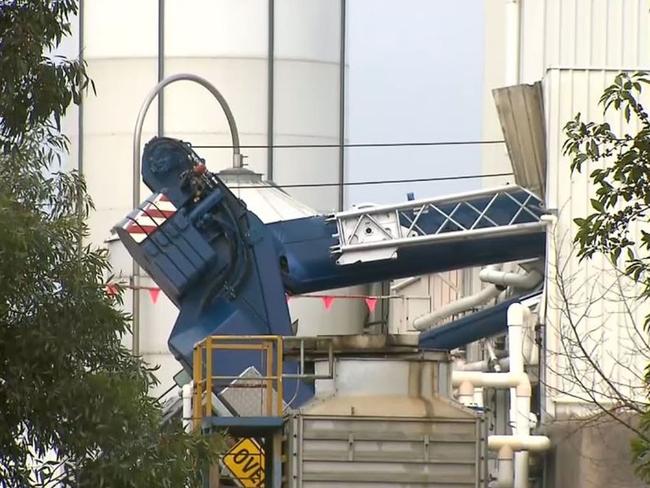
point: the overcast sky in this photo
(415, 74)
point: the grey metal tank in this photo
(384, 420)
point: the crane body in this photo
(229, 273)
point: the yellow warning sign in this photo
(245, 460)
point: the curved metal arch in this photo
(137, 140)
(137, 134)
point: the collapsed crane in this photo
(229, 274)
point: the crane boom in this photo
(229, 273)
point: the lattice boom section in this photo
(376, 233)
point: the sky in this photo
(415, 74)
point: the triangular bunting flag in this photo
(327, 301)
(153, 293)
(111, 290)
(371, 302)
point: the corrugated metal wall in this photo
(385, 452)
(429, 293)
(577, 47)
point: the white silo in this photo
(271, 204)
(277, 63)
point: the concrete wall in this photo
(591, 452)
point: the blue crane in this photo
(229, 273)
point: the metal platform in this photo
(243, 426)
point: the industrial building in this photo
(426, 340)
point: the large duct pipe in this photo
(525, 281)
(488, 293)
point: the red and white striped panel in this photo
(152, 215)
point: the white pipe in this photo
(405, 283)
(512, 42)
(505, 478)
(502, 364)
(485, 295)
(524, 281)
(536, 443)
(494, 380)
(520, 401)
(478, 397)
(520, 391)
(466, 393)
(494, 361)
(187, 407)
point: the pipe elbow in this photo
(523, 388)
(524, 281)
(431, 319)
(516, 315)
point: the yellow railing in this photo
(206, 357)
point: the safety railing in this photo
(269, 381)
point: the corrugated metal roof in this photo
(269, 202)
(521, 113)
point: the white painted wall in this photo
(576, 47)
(226, 41)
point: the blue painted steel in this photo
(216, 261)
(484, 323)
(303, 246)
(228, 272)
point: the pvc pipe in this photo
(512, 42)
(404, 283)
(503, 364)
(494, 380)
(186, 395)
(535, 443)
(520, 391)
(519, 402)
(466, 393)
(485, 295)
(525, 281)
(516, 316)
(505, 476)
(478, 397)
(493, 361)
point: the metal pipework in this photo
(137, 134)
(237, 162)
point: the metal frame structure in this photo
(204, 381)
(375, 233)
(266, 429)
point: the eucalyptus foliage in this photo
(619, 165)
(74, 404)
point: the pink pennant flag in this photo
(111, 290)
(153, 293)
(371, 302)
(327, 301)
